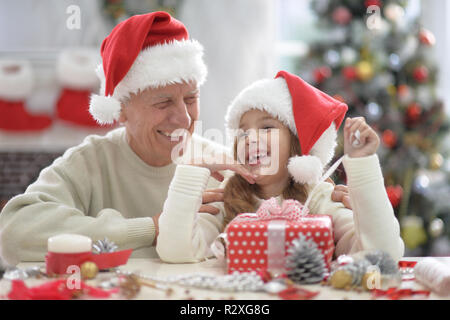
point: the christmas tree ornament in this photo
(348, 55)
(349, 73)
(405, 94)
(373, 111)
(364, 69)
(341, 15)
(393, 12)
(391, 90)
(420, 74)
(321, 74)
(436, 161)
(413, 114)
(413, 232)
(16, 86)
(88, 270)
(389, 138)
(349, 275)
(436, 227)
(421, 183)
(332, 58)
(426, 37)
(105, 245)
(395, 194)
(305, 263)
(394, 61)
(341, 279)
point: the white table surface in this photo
(156, 268)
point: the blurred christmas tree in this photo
(379, 61)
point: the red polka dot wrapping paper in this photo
(247, 240)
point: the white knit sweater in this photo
(185, 234)
(99, 188)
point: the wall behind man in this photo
(238, 37)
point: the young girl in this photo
(306, 121)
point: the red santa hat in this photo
(309, 113)
(144, 51)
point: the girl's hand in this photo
(368, 138)
(225, 163)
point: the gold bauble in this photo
(413, 232)
(364, 70)
(89, 270)
(436, 161)
(391, 90)
(341, 279)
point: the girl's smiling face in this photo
(263, 146)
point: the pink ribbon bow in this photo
(290, 210)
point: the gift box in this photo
(260, 241)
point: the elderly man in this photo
(115, 186)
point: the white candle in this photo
(69, 243)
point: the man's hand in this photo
(209, 196)
(340, 194)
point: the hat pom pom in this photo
(305, 169)
(104, 109)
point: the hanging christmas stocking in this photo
(16, 84)
(77, 77)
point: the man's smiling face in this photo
(151, 116)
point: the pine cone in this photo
(383, 261)
(305, 262)
(104, 246)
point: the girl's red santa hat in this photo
(312, 115)
(145, 51)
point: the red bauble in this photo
(349, 73)
(403, 90)
(369, 3)
(395, 194)
(341, 15)
(413, 112)
(427, 37)
(321, 73)
(389, 138)
(420, 73)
